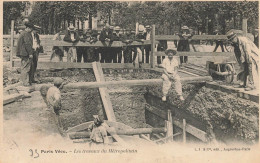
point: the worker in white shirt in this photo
(170, 74)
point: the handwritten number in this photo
(36, 153)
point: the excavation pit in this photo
(222, 116)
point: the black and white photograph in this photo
(130, 81)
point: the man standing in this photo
(147, 36)
(106, 39)
(71, 36)
(170, 74)
(36, 50)
(246, 54)
(117, 52)
(184, 44)
(25, 52)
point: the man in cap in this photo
(37, 49)
(184, 44)
(71, 36)
(140, 37)
(25, 51)
(106, 39)
(147, 36)
(98, 131)
(53, 97)
(246, 54)
(170, 74)
(117, 52)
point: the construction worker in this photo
(98, 131)
(170, 74)
(246, 53)
(53, 97)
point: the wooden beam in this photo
(12, 43)
(184, 131)
(189, 128)
(67, 65)
(103, 92)
(138, 131)
(84, 85)
(194, 37)
(198, 54)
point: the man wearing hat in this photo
(92, 52)
(25, 51)
(184, 44)
(53, 97)
(71, 36)
(246, 54)
(37, 48)
(140, 37)
(170, 74)
(117, 52)
(147, 36)
(106, 39)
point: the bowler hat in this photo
(185, 27)
(148, 27)
(28, 24)
(117, 28)
(37, 28)
(170, 51)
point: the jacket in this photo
(67, 37)
(24, 45)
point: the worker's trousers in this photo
(168, 82)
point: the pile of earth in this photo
(231, 119)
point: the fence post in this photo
(184, 131)
(152, 46)
(244, 26)
(12, 42)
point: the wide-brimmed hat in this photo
(37, 28)
(231, 35)
(111, 27)
(184, 27)
(148, 27)
(117, 28)
(71, 28)
(28, 24)
(174, 52)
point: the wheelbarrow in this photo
(221, 70)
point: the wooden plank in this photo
(184, 131)
(195, 37)
(67, 65)
(189, 128)
(186, 72)
(198, 54)
(195, 68)
(96, 44)
(12, 43)
(103, 92)
(84, 85)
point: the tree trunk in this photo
(90, 21)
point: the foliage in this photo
(11, 11)
(201, 16)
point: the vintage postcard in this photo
(130, 81)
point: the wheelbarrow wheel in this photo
(230, 77)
